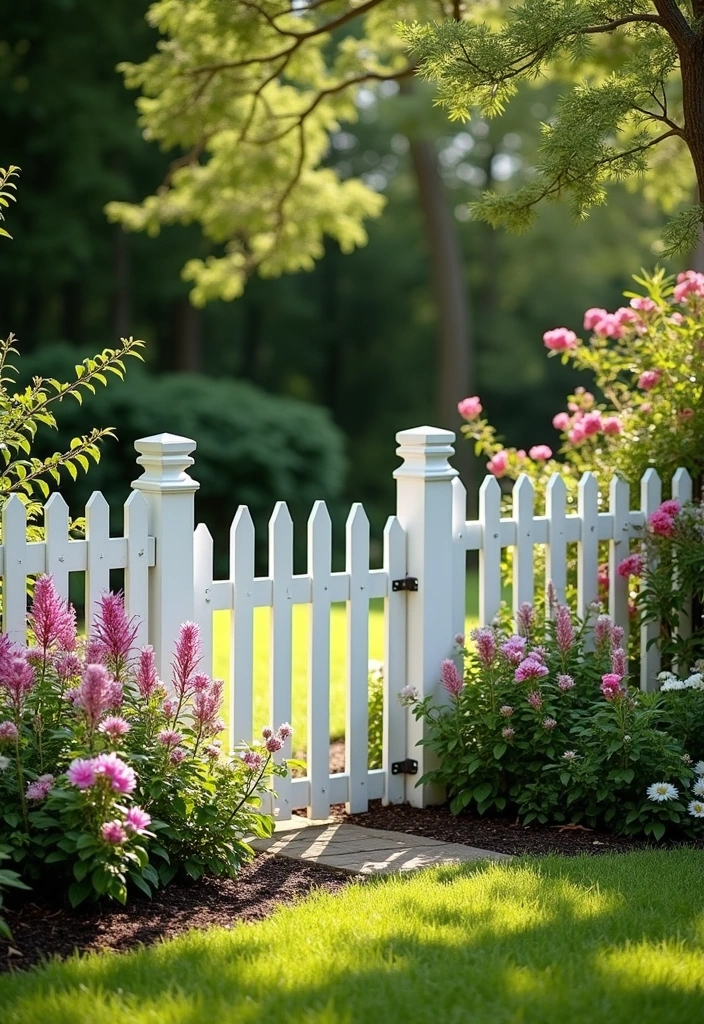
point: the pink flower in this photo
(8, 731)
(530, 669)
(113, 833)
(593, 316)
(538, 654)
(535, 699)
(560, 339)
(611, 686)
(267, 731)
(451, 678)
(177, 755)
(602, 575)
(577, 434)
(603, 631)
(113, 630)
(646, 408)
(68, 666)
(619, 662)
(633, 565)
(252, 760)
(206, 707)
(540, 452)
(212, 751)
(273, 744)
(137, 820)
(617, 635)
(592, 423)
(95, 653)
(201, 682)
(565, 683)
(676, 318)
(284, 731)
(611, 425)
(16, 676)
(498, 464)
(689, 283)
(469, 408)
(39, 789)
(524, 619)
(52, 620)
(609, 327)
(626, 316)
(169, 707)
(485, 642)
(561, 421)
(169, 737)
(513, 649)
(508, 733)
(661, 524)
(671, 507)
(506, 710)
(648, 379)
(147, 679)
(121, 777)
(81, 773)
(549, 724)
(97, 693)
(188, 655)
(114, 726)
(564, 630)
(644, 304)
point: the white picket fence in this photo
(168, 578)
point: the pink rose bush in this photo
(115, 780)
(544, 724)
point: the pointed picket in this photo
(98, 560)
(281, 642)
(202, 587)
(556, 548)
(523, 573)
(357, 717)
(395, 714)
(490, 550)
(137, 568)
(650, 498)
(319, 568)
(619, 507)
(56, 516)
(14, 584)
(242, 627)
(588, 545)
(682, 492)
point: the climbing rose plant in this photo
(109, 781)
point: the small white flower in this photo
(698, 787)
(4, 762)
(570, 755)
(626, 738)
(696, 809)
(695, 681)
(660, 792)
(699, 767)
(686, 758)
(672, 684)
(408, 695)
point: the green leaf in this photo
(499, 750)
(482, 791)
(658, 830)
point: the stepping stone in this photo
(367, 851)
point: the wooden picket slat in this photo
(203, 589)
(459, 556)
(619, 500)
(588, 545)
(57, 543)
(98, 537)
(357, 712)
(137, 567)
(490, 550)
(14, 592)
(650, 498)
(281, 640)
(682, 492)
(242, 627)
(395, 714)
(556, 548)
(318, 755)
(523, 571)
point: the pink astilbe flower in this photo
(146, 678)
(603, 631)
(661, 524)
(81, 773)
(538, 653)
(273, 744)
(513, 649)
(540, 452)
(213, 751)
(252, 760)
(68, 666)
(97, 693)
(169, 707)
(169, 737)
(284, 731)
(188, 654)
(8, 732)
(201, 682)
(114, 726)
(535, 699)
(485, 642)
(451, 677)
(508, 732)
(52, 620)
(122, 778)
(549, 724)
(671, 507)
(469, 408)
(633, 565)
(564, 630)
(611, 686)
(95, 653)
(17, 677)
(525, 617)
(619, 662)
(137, 820)
(39, 789)
(113, 630)
(177, 755)
(530, 669)
(565, 683)
(617, 635)
(560, 339)
(460, 640)
(206, 708)
(506, 710)
(561, 420)
(498, 464)
(113, 833)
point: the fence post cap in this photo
(164, 459)
(425, 452)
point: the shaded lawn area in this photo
(584, 940)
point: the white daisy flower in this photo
(698, 787)
(696, 809)
(699, 767)
(4, 762)
(672, 684)
(660, 792)
(695, 681)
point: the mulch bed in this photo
(42, 930)
(499, 834)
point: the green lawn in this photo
(615, 939)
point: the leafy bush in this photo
(109, 782)
(543, 726)
(8, 880)
(375, 701)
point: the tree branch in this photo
(610, 26)
(675, 23)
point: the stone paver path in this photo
(367, 851)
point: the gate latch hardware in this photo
(409, 583)
(407, 767)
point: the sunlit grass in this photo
(614, 939)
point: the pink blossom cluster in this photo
(514, 648)
(649, 379)
(530, 668)
(17, 677)
(689, 284)
(525, 618)
(207, 703)
(8, 732)
(113, 631)
(188, 656)
(565, 683)
(98, 692)
(253, 760)
(39, 789)
(451, 677)
(469, 408)
(662, 521)
(564, 630)
(52, 620)
(632, 565)
(498, 463)
(146, 677)
(535, 699)
(86, 773)
(583, 420)
(560, 339)
(114, 727)
(485, 642)
(611, 686)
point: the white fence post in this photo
(424, 510)
(169, 492)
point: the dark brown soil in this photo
(497, 834)
(41, 930)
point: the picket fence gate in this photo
(168, 579)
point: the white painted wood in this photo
(556, 549)
(490, 550)
(395, 714)
(318, 747)
(98, 568)
(281, 641)
(523, 570)
(619, 500)
(137, 564)
(424, 510)
(459, 564)
(169, 492)
(14, 592)
(650, 498)
(682, 492)
(203, 606)
(56, 517)
(588, 546)
(242, 628)
(357, 710)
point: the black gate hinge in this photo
(407, 767)
(408, 583)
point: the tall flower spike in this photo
(188, 655)
(564, 630)
(146, 678)
(451, 678)
(16, 677)
(113, 630)
(524, 619)
(52, 620)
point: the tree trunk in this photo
(189, 338)
(692, 61)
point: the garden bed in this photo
(42, 930)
